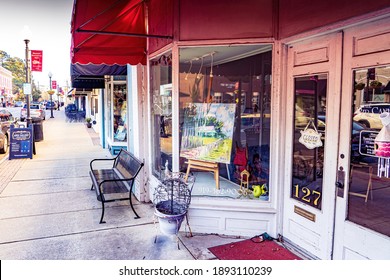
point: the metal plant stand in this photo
(171, 199)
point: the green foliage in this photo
(3, 56)
(217, 126)
(17, 67)
(36, 93)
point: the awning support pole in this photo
(124, 34)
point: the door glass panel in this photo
(369, 190)
(309, 135)
(161, 113)
(119, 102)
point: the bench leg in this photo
(101, 218)
(132, 207)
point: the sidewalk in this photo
(47, 210)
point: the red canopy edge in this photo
(109, 32)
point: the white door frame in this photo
(352, 241)
(320, 55)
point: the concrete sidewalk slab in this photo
(49, 172)
(67, 223)
(16, 188)
(129, 243)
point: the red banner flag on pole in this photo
(36, 61)
(54, 84)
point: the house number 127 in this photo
(307, 195)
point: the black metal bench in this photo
(119, 179)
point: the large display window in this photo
(225, 117)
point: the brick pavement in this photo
(8, 169)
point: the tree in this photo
(36, 93)
(17, 67)
(3, 56)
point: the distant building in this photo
(5, 84)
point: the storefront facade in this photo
(273, 92)
(280, 89)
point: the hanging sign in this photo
(367, 142)
(310, 137)
(36, 61)
(54, 84)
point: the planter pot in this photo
(170, 216)
(89, 125)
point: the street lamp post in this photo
(51, 97)
(27, 96)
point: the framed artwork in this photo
(208, 131)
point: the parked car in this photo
(43, 105)
(6, 119)
(36, 111)
(50, 105)
(355, 137)
(19, 104)
(368, 114)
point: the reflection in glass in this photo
(214, 75)
(161, 109)
(120, 112)
(309, 135)
(369, 190)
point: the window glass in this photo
(109, 110)
(225, 116)
(119, 103)
(309, 135)
(161, 109)
(369, 190)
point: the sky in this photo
(49, 23)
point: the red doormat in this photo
(252, 249)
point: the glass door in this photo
(312, 125)
(362, 224)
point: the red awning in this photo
(108, 32)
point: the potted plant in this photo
(89, 122)
(375, 84)
(360, 86)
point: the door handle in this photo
(340, 177)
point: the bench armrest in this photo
(101, 159)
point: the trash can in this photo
(38, 129)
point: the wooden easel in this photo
(203, 165)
